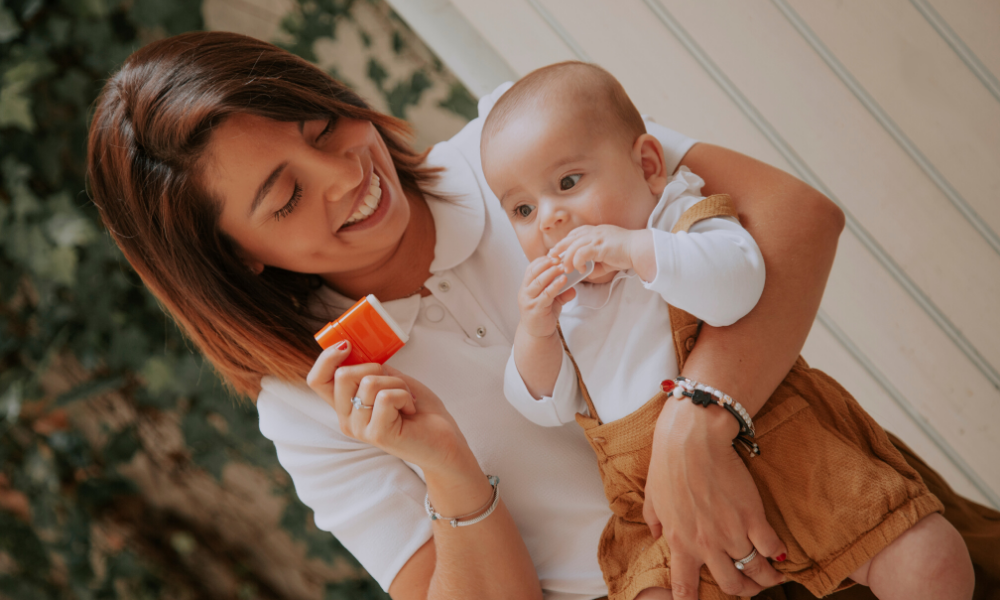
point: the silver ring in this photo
(739, 564)
(358, 404)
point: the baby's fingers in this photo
(536, 268)
(542, 285)
(575, 257)
(571, 237)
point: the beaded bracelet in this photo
(482, 513)
(703, 395)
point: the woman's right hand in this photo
(406, 419)
(701, 497)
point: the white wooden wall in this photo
(891, 108)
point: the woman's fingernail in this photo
(342, 345)
(780, 557)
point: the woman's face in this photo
(319, 197)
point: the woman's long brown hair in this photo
(150, 127)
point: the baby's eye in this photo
(568, 181)
(524, 211)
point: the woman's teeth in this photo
(370, 203)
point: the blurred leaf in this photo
(407, 93)
(460, 102)
(29, 70)
(10, 402)
(122, 446)
(9, 27)
(89, 389)
(15, 107)
(183, 543)
(21, 543)
(377, 73)
(158, 374)
(87, 8)
(97, 493)
(68, 230)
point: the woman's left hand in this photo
(399, 414)
(700, 495)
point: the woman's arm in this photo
(405, 419)
(698, 490)
(796, 229)
(485, 560)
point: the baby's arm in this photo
(715, 271)
(537, 347)
(540, 380)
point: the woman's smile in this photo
(371, 208)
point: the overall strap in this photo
(685, 326)
(579, 378)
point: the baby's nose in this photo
(552, 219)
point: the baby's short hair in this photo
(588, 84)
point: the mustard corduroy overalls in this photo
(834, 487)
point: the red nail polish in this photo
(342, 345)
(780, 558)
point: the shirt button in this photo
(434, 313)
(444, 286)
(689, 343)
(481, 332)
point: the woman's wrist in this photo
(459, 487)
(680, 419)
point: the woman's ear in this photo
(255, 266)
(648, 152)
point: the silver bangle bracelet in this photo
(477, 515)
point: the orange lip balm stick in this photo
(374, 335)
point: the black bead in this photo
(702, 398)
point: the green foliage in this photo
(70, 302)
(460, 102)
(314, 20)
(77, 327)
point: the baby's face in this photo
(553, 173)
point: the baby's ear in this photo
(648, 153)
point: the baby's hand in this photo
(539, 298)
(607, 245)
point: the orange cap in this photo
(374, 335)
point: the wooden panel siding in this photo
(874, 107)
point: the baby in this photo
(570, 160)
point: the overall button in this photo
(434, 313)
(444, 286)
(480, 332)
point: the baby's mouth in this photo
(369, 204)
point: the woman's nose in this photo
(339, 176)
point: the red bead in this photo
(667, 385)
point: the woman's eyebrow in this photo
(266, 187)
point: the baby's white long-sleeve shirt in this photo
(619, 332)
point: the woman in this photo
(233, 175)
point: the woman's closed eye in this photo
(330, 124)
(289, 206)
(568, 182)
